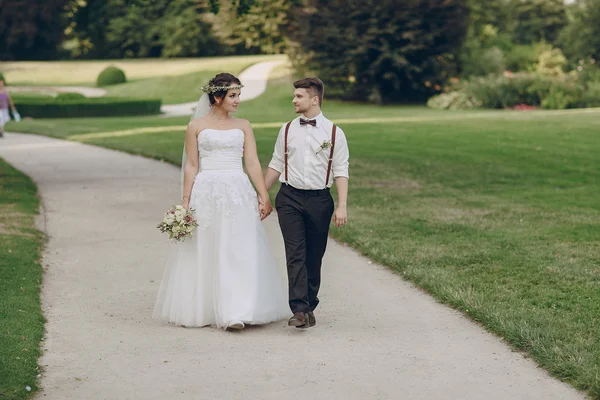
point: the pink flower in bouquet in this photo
(178, 223)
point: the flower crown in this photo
(208, 88)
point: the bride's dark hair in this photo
(222, 79)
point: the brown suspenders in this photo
(331, 154)
(287, 129)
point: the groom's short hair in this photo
(314, 86)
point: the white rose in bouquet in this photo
(178, 223)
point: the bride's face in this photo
(230, 102)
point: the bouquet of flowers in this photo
(178, 223)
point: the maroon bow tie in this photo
(312, 122)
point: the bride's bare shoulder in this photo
(242, 123)
(197, 124)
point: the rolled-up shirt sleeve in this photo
(341, 156)
(277, 161)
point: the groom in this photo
(310, 153)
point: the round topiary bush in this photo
(111, 76)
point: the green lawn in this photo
(64, 127)
(21, 322)
(173, 81)
(171, 89)
(494, 213)
(29, 73)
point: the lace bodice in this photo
(221, 150)
(221, 183)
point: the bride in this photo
(225, 274)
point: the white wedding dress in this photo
(225, 273)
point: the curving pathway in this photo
(254, 78)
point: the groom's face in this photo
(303, 100)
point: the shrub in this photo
(475, 87)
(538, 88)
(551, 62)
(591, 95)
(588, 71)
(521, 58)
(484, 62)
(455, 100)
(524, 89)
(86, 107)
(496, 91)
(499, 91)
(557, 99)
(111, 76)
(69, 97)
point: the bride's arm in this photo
(191, 163)
(253, 165)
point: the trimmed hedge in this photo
(69, 107)
(70, 96)
(27, 96)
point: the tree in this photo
(136, 29)
(483, 49)
(31, 29)
(141, 28)
(186, 31)
(376, 50)
(242, 6)
(485, 15)
(262, 27)
(580, 40)
(537, 20)
(86, 33)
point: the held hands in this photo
(340, 217)
(264, 207)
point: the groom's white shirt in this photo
(307, 162)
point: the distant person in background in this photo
(5, 102)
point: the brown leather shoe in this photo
(312, 321)
(298, 319)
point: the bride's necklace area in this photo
(217, 117)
